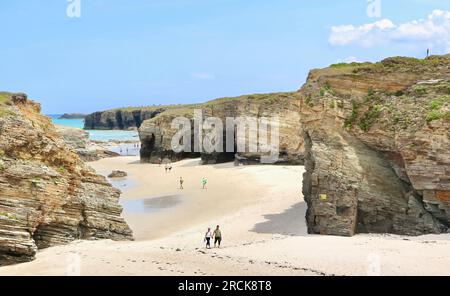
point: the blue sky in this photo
(133, 53)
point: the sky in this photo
(121, 53)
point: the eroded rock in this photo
(48, 196)
(378, 148)
(156, 134)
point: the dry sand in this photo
(261, 213)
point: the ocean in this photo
(97, 135)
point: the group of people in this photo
(204, 183)
(168, 167)
(216, 235)
(125, 150)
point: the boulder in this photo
(118, 174)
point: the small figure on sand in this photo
(208, 237)
(181, 183)
(166, 167)
(170, 168)
(217, 236)
(204, 183)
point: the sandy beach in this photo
(260, 210)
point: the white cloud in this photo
(203, 76)
(434, 32)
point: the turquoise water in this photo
(97, 135)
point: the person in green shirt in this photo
(204, 183)
(217, 236)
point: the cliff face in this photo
(156, 133)
(378, 147)
(120, 119)
(48, 196)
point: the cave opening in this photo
(147, 148)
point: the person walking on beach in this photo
(204, 183)
(166, 168)
(181, 183)
(217, 236)
(208, 237)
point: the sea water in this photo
(97, 135)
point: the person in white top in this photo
(208, 237)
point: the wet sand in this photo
(261, 212)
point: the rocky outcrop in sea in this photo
(72, 116)
(78, 140)
(120, 119)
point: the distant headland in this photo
(73, 116)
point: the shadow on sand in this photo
(290, 222)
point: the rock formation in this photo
(72, 116)
(75, 138)
(118, 174)
(120, 119)
(48, 196)
(78, 140)
(156, 133)
(374, 138)
(377, 147)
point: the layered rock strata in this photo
(156, 134)
(378, 147)
(48, 196)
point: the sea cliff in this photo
(48, 196)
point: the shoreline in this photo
(261, 213)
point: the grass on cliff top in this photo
(5, 97)
(257, 97)
(182, 109)
(350, 65)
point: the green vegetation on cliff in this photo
(350, 65)
(5, 97)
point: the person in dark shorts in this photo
(208, 237)
(217, 237)
(181, 183)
